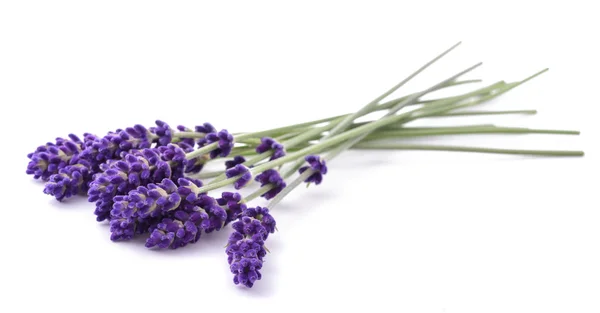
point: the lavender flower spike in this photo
(231, 202)
(224, 140)
(196, 213)
(245, 248)
(238, 159)
(239, 170)
(271, 177)
(176, 232)
(136, 169)
(317, 165)
(267, 144)
(163, 132)
(49, 159)
(70, 181)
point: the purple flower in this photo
(205, 128)
(238, 170)
(224, 140)
(268, 144)
(317, 165)
(245, 248)
(231, 202)
(151, 201)
(118, 178)
(265, 218)
(47, 160)
(136, 137)
(122, 228)
(195, 213)
(238, 159)
(143, 208)
(175, 154)
(163, 133)
(187, 223)
(176, 232)
(111, 146)
(188, 141)
(188, 189)
(70, 181)
(273, 178)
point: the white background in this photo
(386, 231)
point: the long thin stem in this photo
(466, 130)
(361, 132)
(349, 119)
(441, 108)
(401, 146)
(259, 192)
(283, 130)
(472, 113)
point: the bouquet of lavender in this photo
(149, 181)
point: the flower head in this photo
(317, 165)
(47, 160)
(238, 170)
(231, 202)
(224, 142)
(70, 180)
(176, 232)
(188, 141)
(245, 248)
(268, 144)
(273, 178)
(118, 178)
(205, 128)
(238, 159)
(163, 133)
(112, 145)
(147, 201)
(186, 215)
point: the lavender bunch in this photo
(147, 180)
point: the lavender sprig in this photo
(245, 248)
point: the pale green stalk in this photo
(401, 146)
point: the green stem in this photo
(471, 113)
(350, 118)
(399, 146)
(360, 133)
(443, 106)
(206, 149)
(283, 130)
(188, 135)
(466, 130)
(259, 192)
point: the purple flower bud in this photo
(238, 170)
(271, 177)
(70, 181)
(317, 165)
(231, 201)
(268, 144)
(188, 141)
(224, 140)
(238, 159)
(205, 128)
(163, 132)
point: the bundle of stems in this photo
(336, 134)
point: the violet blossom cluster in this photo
(138, 179)
(246, 245)
(319, 167)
